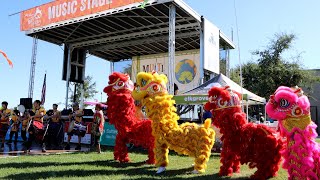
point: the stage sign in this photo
(211, 47)
(57, 11)
(74, 139)
(109, 134)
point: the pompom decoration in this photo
(122, 114)
(188, 139)
(243, 143)
(301, 155)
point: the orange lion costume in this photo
(122, 114)
(243, 143)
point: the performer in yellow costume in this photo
(36, 130)
(189, 138)
(14, 126)
(5, 114)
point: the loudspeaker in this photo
(26, 102)
(77, 63)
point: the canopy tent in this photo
(199, 95)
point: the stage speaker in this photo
(78, 62)
(26, 102)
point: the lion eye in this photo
(120, 84)
(143, 82)
(215, 97)
(155, 88)
(284, 103)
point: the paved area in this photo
(14, 150)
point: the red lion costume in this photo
(243, 142)
(122, 114)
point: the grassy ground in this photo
(101, 166)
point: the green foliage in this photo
(89, 90)
(128, 70)
(223, 66)
(271, 70)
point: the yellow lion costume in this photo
(189, 138)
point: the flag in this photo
(43, 95)
(5, 56)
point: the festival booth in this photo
(191, 101)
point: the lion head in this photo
(290, 106)
(222, 97)
(119, 83)
(149, 85)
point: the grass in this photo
(101, 166)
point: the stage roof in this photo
(120, 32)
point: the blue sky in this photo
(258, 21)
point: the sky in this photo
(258, 21)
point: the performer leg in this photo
(11, 135)
(68, 143)
(79, 143)
(16, 137)
(97, 142)
(24, 135)
(161, 154)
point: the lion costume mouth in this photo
(296, 122)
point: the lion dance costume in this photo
(188, 138)
(292, 109)
(122, 114)
(243, 142)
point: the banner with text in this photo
(62, 10)
(211, 35)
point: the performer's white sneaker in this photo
(195, 172)
(161, 170)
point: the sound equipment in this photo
(77, 65)
(26, 102)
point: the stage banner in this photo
(211, 47)
(57, 11)
(108, 137)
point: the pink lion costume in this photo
(292, 109)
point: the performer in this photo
(55, 126)
(4, 121)
(14, 126)
(37, 126)
(75, 116)
(25, 118)
(97, 126)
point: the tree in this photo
(271, 70)
(89, 90)
(128, 69)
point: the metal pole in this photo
(75, 92)
(247, 109)
(172, 37)
(68, 74)
(82, 96)
(84, 81)
(201, 51)
(227, 61)
(111, 67)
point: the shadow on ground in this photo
(146, 171)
